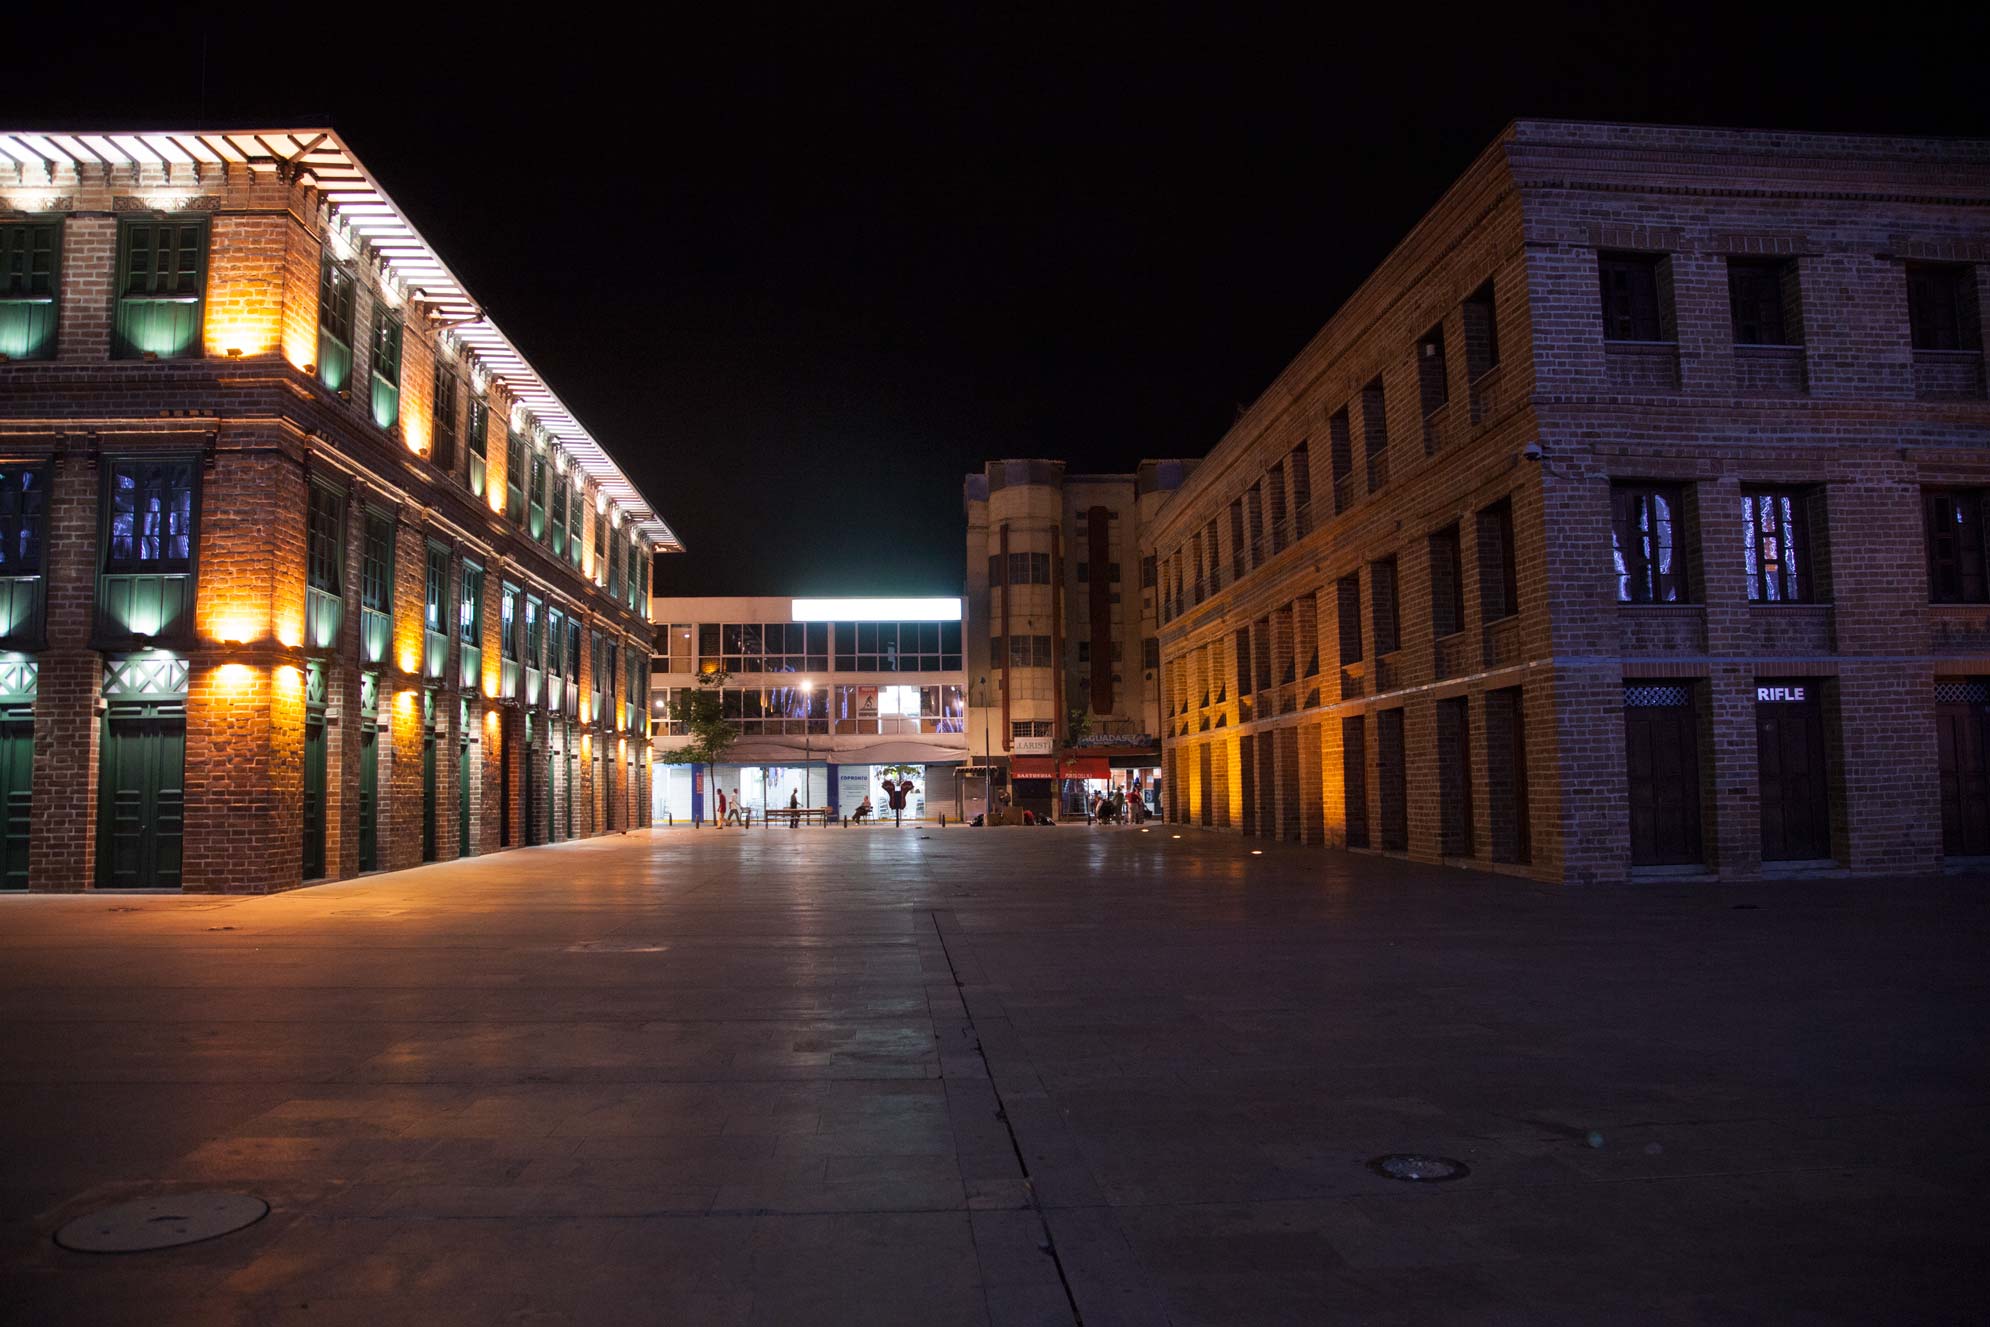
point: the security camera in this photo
(1531, 452)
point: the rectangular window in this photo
(556, 643)
(442, 445)
(1432, 381)
(614, 569)
(1647, 538)
(1347, 591)
(1775, 546)
(536, 500)
(559, 522)
(600, 548)
(435, 590)
(576, 522)
(1026, 652)
(1481, 332)
(1447, 583)
(1029, 727)
(324, 540)
(1149, 573)
(1956, 573)
(514, 476)
(376, 575)
(338, 297)
(510, 628)
(161, 279)
(376, 587)
(1499, 585)
(1762, 301)
(470, 606)
(1942, 307)
(1299, 465)
(535, 631)
(1632, 306)
(1375, 435)
(480, 440)
(1150, 653)
(1385, 626)
(1340, 450)
(29, 287)
(386, 368)
(23, 519)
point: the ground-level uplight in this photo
(1419, 1169)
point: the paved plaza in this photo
(1006, 1076)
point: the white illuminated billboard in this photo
(874, 610)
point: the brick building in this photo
(1629, 519)
(1059, 626)
(304, 571)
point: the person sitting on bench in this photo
(863, 811)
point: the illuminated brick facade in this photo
(1628, 520)
(211, 696)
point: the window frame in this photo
(124, 299)
(20, 298)
(1636, 498)
(1795, 582)
(1632, 309)
(331, 273)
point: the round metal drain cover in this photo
(161, 1223)
(1419, 1169)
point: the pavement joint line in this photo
(1009, 1127)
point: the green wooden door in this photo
(142, 805)
(570, 780)
(530, 784)
(17, 769)
(463, 799)
(428, 797)
(369, 797)
(314, 795)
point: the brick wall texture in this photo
(1515, 749)
(259, 430)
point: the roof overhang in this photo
(359, 210)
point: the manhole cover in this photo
(161, 1223)
(1418, 1169)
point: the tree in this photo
(702, 716)
(1080, 724)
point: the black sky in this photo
(802, 270)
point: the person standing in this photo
(794, 809)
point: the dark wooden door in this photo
(428, 797)
(504, 790)
(1392, 776)
(1354, 779)
(1207, 759)
(17, 775)
(369, 797)
(314, 794)
(1662, 758)
(142, 812)
(1965, 778)
(1796, 804)
(463, 799)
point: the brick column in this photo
(63, 822)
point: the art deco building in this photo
(1628, 520)
(304, 570)
(1062, 626)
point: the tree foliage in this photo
(703, 719)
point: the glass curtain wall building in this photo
(831, 699)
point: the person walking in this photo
(721, 821)
(737, 815)
(794, 809)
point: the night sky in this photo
(802, 272)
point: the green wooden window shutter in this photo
(538, 499)
(161, 277)
(324, 549)
(386, 369)
(336, 297)
(514, 478)
(577, 522)
(559, 526)
(442, 442)
(480, 438)
(23, 518)
(29, 265)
